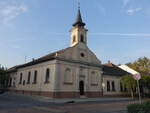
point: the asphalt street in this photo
(11, 103)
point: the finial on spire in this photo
(79, 4)
(79, 21)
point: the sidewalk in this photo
(78, 100)
(74, 100)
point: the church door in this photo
(81, 87)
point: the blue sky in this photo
(119, 30)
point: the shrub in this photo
(139, 108)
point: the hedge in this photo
(139, 108)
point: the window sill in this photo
(113, 91)
(34, 83)
(68, 83)
(94, 84)
(47, 82)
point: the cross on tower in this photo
(78, 4)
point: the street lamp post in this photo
(103, 86)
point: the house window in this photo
(68, 77)
(108, 85)
(35, 77)
(121, 87)
(20, 81)
(82, 38)
(113, 86)
(47, 76)
(29, 77)
(24, 82)
(10, 82)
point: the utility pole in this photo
(138, 87)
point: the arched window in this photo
(82, 38)
(108, 85)
(35, 77)
(74, 39)
(68, 78)
(20, 81)
(94, 78)
(47, 77)
(10, 82)
(29, 77)
(24, 82)
(113, 86)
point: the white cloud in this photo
(123, 34)
(133, 6)
(133, 10)
(11, 10)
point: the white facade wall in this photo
(41, 74)
(76, 77)
(57, 73)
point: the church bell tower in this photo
(78, 31)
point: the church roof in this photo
(51, 56)
(12, 69)
(79, 21)
(45, 58)
(113, 70)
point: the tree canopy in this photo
(142, 65)
(128, 82)
(3, 77)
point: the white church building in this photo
(73, 72)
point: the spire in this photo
(78, 31)
(79, 21)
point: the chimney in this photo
(33, 59)
(109, 62)
(56, 54)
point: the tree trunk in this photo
(132, 95)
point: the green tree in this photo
(145, 82)
(128, 82)
(3, 77)
(142, 65)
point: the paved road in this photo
(10, 103)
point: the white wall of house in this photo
(111, 79)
